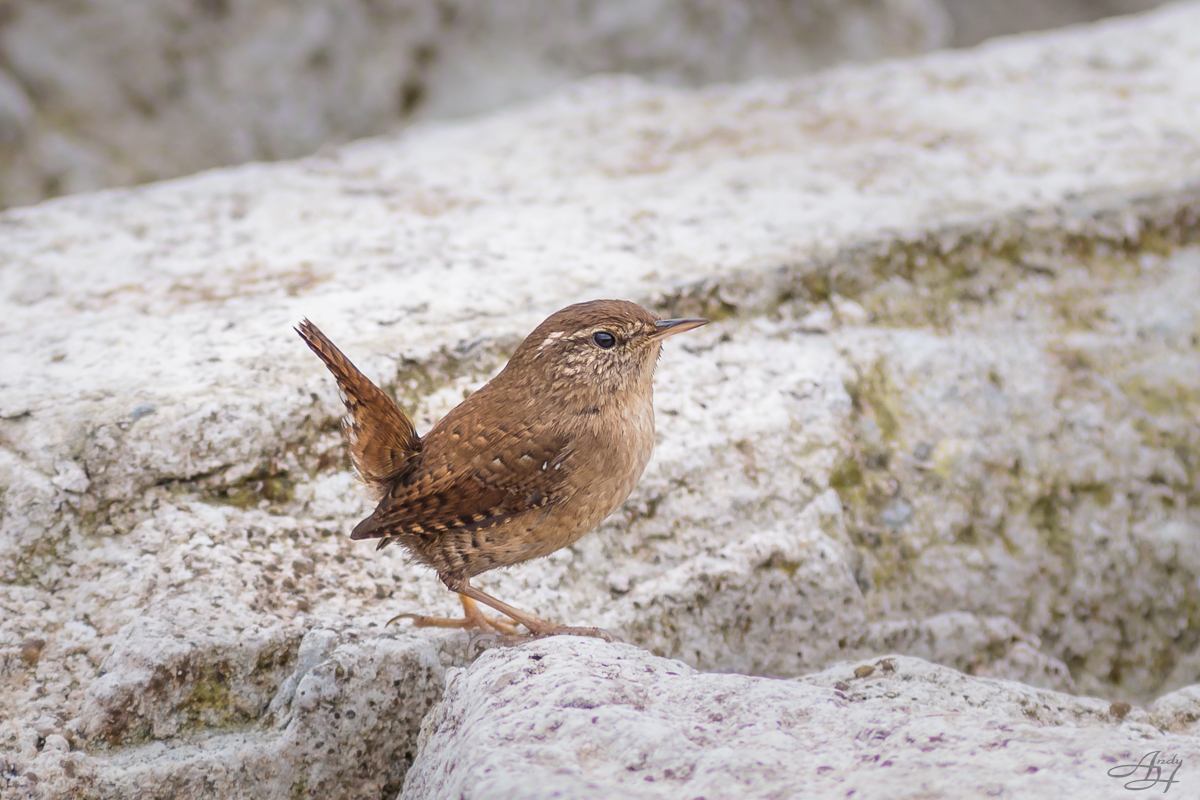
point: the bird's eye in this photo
(604, 340)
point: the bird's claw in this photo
(482, 623)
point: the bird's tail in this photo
(383, 441)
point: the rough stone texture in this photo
(100, 93)
(343, 723)
(948, 408)
(581, 719)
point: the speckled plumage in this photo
(526, 465)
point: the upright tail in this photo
(383, 441)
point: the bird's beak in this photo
(670, 327)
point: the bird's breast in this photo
(613, 453)
(606, 456)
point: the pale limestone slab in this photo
(947, 408)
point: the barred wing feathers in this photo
(485, 491)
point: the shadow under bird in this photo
(523, 467)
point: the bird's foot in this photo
(481, 623)
(538, 628)
(472, 619)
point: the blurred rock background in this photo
(947, 409)
(99, 93)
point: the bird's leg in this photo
(538, 627)
(473, 618)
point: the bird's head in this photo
(597, 351)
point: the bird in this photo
(524, 466)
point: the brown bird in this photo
(521, 468)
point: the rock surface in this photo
(948, 408)
(974, 21)
(100, 93)
(581, 719)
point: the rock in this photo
(169, 674)
(344, 723)
(16, 111)
(114, 92)
(975, 21)
(569, 717)
(988, 457)
(128, 91)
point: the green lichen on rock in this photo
(865, 479)
(705, 299)
(1004, 438)
(270, 489)
(417, 379)
(209, 702)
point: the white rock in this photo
(1020, 400)
(16, 111)
(70, 477)
(819, 320)
(136, 90)
(577, 718)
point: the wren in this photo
(523, 467)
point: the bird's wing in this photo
(497, 483)
(383, 441)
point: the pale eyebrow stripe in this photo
(553, 337)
